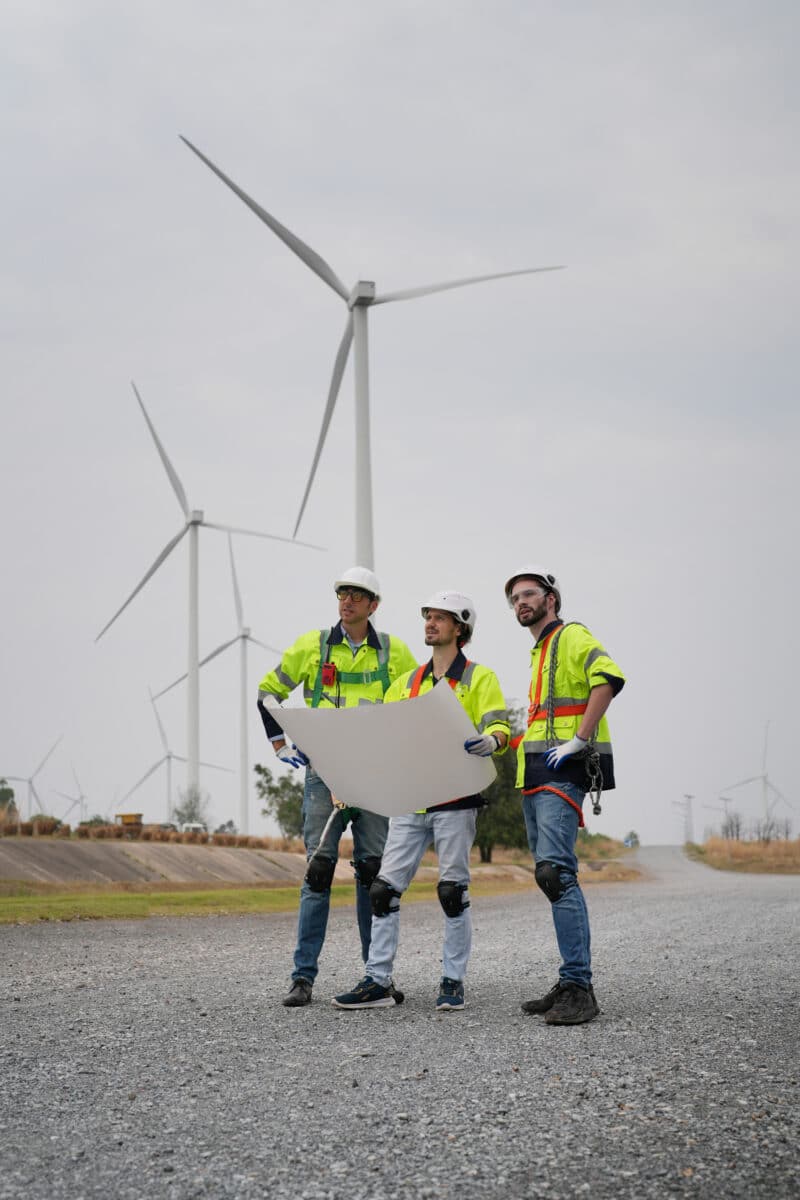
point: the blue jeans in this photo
(452, 835)
(552, 827)
(369, 835)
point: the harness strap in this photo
(535, 697)
(380, 676)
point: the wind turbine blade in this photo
(34, 792)
(303, 252)
(429, 289)
(49, 752)
(263, 645)
(742, 782)
(333, 391)
(216, 767)
(237, 597)
(779, 794)
(170, 546)
(64, 796)
(201, 663)
(144, 778)
(161, 729)
(168, 467)
(273, 537)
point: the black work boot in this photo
(574, 1005)
(299, 993)
(544, 1003)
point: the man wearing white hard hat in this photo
(564, 753)
(449, 618)
(339, 667)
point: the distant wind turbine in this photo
(32, 792)
(194, 518)
(358, 299)
(767, 786)
(242, 637)
(79, 799)
(167, 758)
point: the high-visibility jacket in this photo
(479, 694)
(581, 664)
(331, 675)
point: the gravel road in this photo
(153, 1058)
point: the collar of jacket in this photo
(548, 629)
(337, 636)
(454, 671)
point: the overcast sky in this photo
(631, 421)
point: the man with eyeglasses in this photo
(340, 667)
(564, 753)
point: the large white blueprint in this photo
(391, 758)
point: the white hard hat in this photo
(547, 577)
(458, 605)
(360, 577)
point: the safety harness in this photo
(549, 711)
(381, 675)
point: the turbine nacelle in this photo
(362, 294)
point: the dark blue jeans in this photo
(369, 835)
(552, 827)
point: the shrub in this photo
(26, 828)
(146, 835)
(63, 831)
(44, 826)
(82, 831)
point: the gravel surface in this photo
(154, 1059)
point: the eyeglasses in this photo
(523, 597)
(352, 593)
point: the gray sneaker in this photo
(574, 1005)
(299, 993)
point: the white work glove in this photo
(556, 756)
(482, 746)
(293, 756)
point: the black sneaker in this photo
(574, 1005)
(544, 1003)
(366, 994)
(299, 993)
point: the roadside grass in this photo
(775, 858)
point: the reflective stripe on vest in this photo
(416, 684)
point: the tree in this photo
(8, 805)
(283, 800)
(631, 839)
(501, 823)
(192, 807)
(732, 827)
(226, 827)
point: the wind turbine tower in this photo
(193, 519)
(358, 300)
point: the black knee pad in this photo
(451, 897)
(319, 875)
(382, 897)
(366, 870)
(548, 877)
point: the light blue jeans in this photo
(451, 834)
(369, 835)
(552, 827)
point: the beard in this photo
(532, 616)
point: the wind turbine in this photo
(358, 299)
(242, 637)
(167, 758)
(79, 799)
(767, 785)
(193, 519)
(32, 792)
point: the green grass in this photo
(21, 905)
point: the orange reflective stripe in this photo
(563, 710)
(536, 699)
(548, 787)
(416, 682)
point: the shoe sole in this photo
(450, 1007)
(574, 1021)
(387, 1002)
